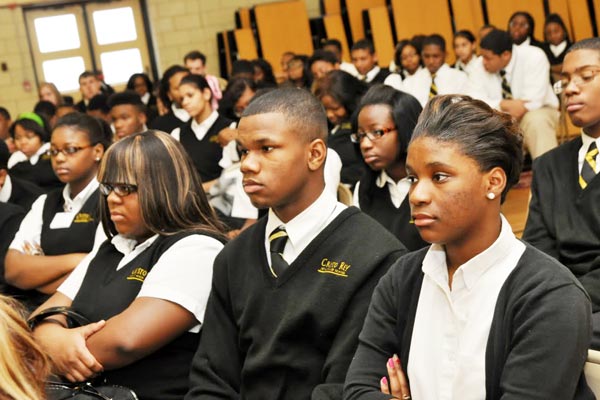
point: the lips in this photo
(116, 216)
(251, 186)
(574, 106)
(422, 220)
(370, 158)
(61, 171)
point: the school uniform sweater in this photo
(290, 337)
(376, 202)
(10, 219)
(353, 165)
(166, 123)
(205, 153)
(40, 174)
(23, 192)
(563, 219)
(538, 338)
(106, 292)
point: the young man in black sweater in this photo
(289, 294)
(563, 215)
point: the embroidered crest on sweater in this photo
(337, 268)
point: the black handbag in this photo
(56, 390)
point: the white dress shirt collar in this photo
(559, 48)
(145, 98)
(77, 202)
(201, 129)
(128, 246)
(6, 190)
(398, 190)
(372, 74)
(180, 113)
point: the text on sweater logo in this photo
(337, 268)
(83, 218)
(138, 274)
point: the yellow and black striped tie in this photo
(277, 241)
(433, 90)
(588, 170)
(506, 92)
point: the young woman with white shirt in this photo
(479, 314)
(146, 287)
(61, 227)
(386, 119)
(465, 50)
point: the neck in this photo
(309, 194)
(397, 171)
(203, 115)
(78, 186)
(593, 130)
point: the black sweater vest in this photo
(396, 220)
(79, 237)
(40, 174)
(23, 192)
(353, 165)
(106, 292)
(205, 153)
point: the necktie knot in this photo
(433, 90)
(506, 90)
(588, 169)
(502, 73)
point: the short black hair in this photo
(163, 88)
(128, 97)
(99, 102)
(45, 108)
(242, 67)
(97, 130)
(322, 55)
(332, 42)
(466, 34)
(302, 111)
(434, 40)
(364, 44)
(4, 112)
(195, 55)
(586, 44)
(4, 155)
(33, 126)
(87, 74)
(497, 41)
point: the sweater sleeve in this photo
(376, 344)
(344, 345)
(548, 345)
(537, 231)
(216, 368)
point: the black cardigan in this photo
(538, 339)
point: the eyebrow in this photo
(581, 68)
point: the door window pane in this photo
(114, 26)
(118, 66)
(57, 33)
(64, 72)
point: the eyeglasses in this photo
(374, 135)
(120, 189)
(581, 78)
(67, 151)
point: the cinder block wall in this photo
(177, 27)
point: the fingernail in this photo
(396, 359)
(384, 381)
(391, 363)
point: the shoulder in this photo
(8, 210)
(355, 228)
(550, 158)
(531, 53)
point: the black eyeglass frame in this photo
(120, 189)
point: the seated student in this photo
(556, 43)
(11, 216)
(516, 80)
(146, 287)
(384, 124)
(479, 314)
(142, 85)
(437, 77)
(263, 74)
(283, 61)
(170, 98)
(89, 86)
(288, 295)
(98, 108)
(14, 190)
(407, 61)
(199, 137)
(236, 97)
(322, 62)
(298, 72)
(565, 192)
(47, 111)
(31, 161)
(335, 46)
(464, 48)
(521, 28)
(128, 113)
(195, 62)
(340, 93)
(48, 92)
(61, 227)
(5, 123)
(364, 59)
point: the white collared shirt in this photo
(448, 81)
(559, 48)
(31, 226)
(304, 227)
(18, 156)
(371, 74)
(200, 129)
(452, 326)
(181, 275)
(468, 67)
(145, 98)
(180, 113)
(349, 68)
(587, 141)
(397, 190)
(6, 190)
(527, 73)
(526, 42)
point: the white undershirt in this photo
(451, 329)
(18, 156)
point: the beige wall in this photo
(177, 26)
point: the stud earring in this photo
(490, 196)
(97, 159)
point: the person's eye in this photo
(267, 149)
(587, 76)
(243, 151)
(411, 179)
(71, 150)
(440, 177)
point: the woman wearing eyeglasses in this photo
(386, 119)
(61, 227)
(145, 287)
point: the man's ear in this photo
(317, 154)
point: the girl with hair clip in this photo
(145, 287)
(464, 48)
(24, 367)
(479, 314)
(31, 161)
(61, 227)
(340, 93)
(384, 126)
(200, 136)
